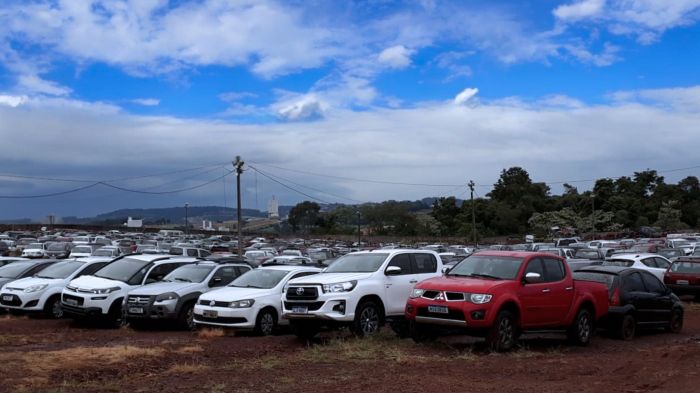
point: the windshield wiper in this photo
(485, 276)
(38, 276)
(246, 286)
(182, 279)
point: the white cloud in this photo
(35, 84)
(578, 10)
(680, 98)
(466, 95)
(12, 101)
(146, 101)
(396, 57)
(300, 107)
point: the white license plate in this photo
(682, 282)
(300, 310)
(210, 313)
(135, 310)
(71, 302)
(438, 309)
(7, 298)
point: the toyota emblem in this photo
(211, 303)
(300, 291)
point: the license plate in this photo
(210, 314)
(7, 298)
(300, 310)
(135, 310)
(71, 302)
(682, 282)
(438, 309)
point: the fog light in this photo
(478, 315)
(33, 303)
(340, 307)
(99, 298)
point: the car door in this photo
(651, 265)
(223, 276)
(398, 287)
(561, 290)
(534, 298)
(635, 293)
(424, 266)
(661, 304)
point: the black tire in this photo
(304, 329)
(421, 333)
(581, 330)
(116, 317)
(401, 328)
(675, 325)
(266, 322)
(627, 328)
(186, 317)
(368, 319)
(53, 308)
(503, 335)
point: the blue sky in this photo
(430, 92)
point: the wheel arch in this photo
(376, 299)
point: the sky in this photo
(145, 103)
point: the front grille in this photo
(201, 318)
(302, 293)
(139, 300)
(430, 294)
(451, 314)
(439, 295)
(313, 306)
(16, 302)
(78, 299)
(454, 296)
(214, 303)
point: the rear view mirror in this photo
(445, 269)
(533, 278)
(392, 271)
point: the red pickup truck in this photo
(498, 295)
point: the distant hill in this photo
(167, 215)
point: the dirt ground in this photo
(41, 355)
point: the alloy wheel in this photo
(369, 320)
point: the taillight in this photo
(615, 297)
(667, 279)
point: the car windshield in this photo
(82, 249)
(586, 254)
(686, 267)
(60, 269)
(498, 267)
(619, 262)
(103, 253)
(123, 270)
(553, 251)
(34, 246)
(189, 273)
(175, 251)
(357, 263)
(681, 243)
(669, 253)
(259, 278)
(603, 278)
(57, 247)
(13, 270)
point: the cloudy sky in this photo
(129, 101)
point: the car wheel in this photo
(368, 319)
(581, 331)
(116, 317)
(675, 325)
(53, 307)
(304, 329)
(186, 317)
(266, 322)
(628, 327)
(503, 333)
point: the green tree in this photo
(304, 215)
(670, 217)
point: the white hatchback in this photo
(653, 263)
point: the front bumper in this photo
(331, 307)
(21, 300)
(460, 314)
(80, 303)
(241, 318)
(145, 308)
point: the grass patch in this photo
(190, 349)
(210, 333)
(187, 368)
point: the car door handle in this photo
(546, 290)
(569, 288)
(413, 281)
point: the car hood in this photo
(4, 281)
(27, 282)
(229, 294)
(462, 284)
(92, 282)
(330, 278)
(159, 288)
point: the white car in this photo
(653, 263)
(100, 295)
(82, 251)
(252, 301)
(360, 289)
(42, 292)
(34, 250)
(107, 251)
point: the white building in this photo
(131, 223)
(273, 209)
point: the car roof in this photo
(605, 269)
(512, 254)
(290, 268)
(634, 256)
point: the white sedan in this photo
(653, 263)
(252, 301)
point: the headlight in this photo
(417, 293)
(479, 298)
(346, 286)
(242, 303)
(35, 288)
(105, 290)
(71, 288)
(167, 296)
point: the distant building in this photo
(131, 223)
(273, 208)
(207, 225)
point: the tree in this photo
(304, 215)
(446, 212)
(670, 217)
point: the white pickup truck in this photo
(361, 290)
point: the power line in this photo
(291, 188)
(49, 195)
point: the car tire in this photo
(503, 334)
(675, 325)
(53, 308)
(304, 329)
(581, 331)
(186, 317)
(421, 333)
(266, 322)
(116, 316)
(627, 328)
(368, 319)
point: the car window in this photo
(424, 263)
(535, 266)
(633, 283)
(403, 261)
(652, 283)
(191, 252)
(226, 274)
(36, 269)
(204, 253)
(650, 262)
(90, 269)
(662, 263)
(554, 271)
(160, 271)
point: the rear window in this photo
(619, 262)
(603, 278)
(685, 267)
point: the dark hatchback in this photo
(637, 300)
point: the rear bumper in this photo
(684, 289)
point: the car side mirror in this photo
(392, 271)
(533, 278)
(445, 269)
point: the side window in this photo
(91, 269)
(424, 263)
(662, 263)
(403, 261)
(649, 262)
(226, 274)
(535, 266)
(242, 269)
(204, 253)
(633, 283)
(554, 271)
(160, 271)
(652, 283)
(191, 252)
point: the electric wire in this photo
(291, 188)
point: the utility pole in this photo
(359, 234)
(238, 165)
(471, 187)
(593, 214)
(187, 221)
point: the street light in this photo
(187, 223)
(358, 229)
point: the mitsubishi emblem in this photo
(440, 296)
